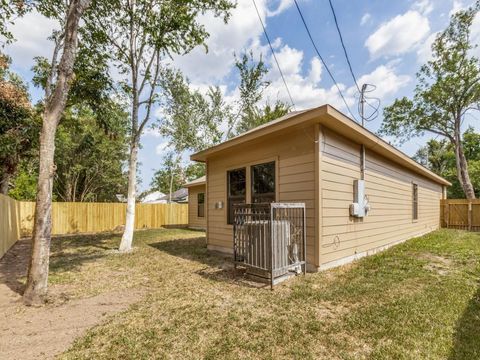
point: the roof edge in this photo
(330, 117)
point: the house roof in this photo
(153, 197)
(200, 181)
(327, 116)
(177, 195)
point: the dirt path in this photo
(42, 333)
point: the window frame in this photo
(272, 194)
(231, 198)
(200, 205)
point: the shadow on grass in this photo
(219, 267)
(67, 253)
(466, 343)
(14, 265)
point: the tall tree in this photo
(448, 87)
(247, 113)
(56, 93)
(172, 176)
(18, 124)
(439, 156)
(90, 158)
(92, 135)
(140, 35)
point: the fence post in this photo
(447, 213)
(470, 215)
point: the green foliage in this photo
(260, 116)
(252, 74)
(90, 159)
(19, 124)
(173, 172)
(190, 121)
(439, 156)
(25, 182)
(9, 11)
(448, 86)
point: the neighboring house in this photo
(315, 157)
(180, 196)
(196, 203)
(156, 197)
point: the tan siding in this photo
(389, 188)
(294, 156)
(193, 220)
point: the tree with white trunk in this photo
(140, 36)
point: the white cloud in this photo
(315, 73)
(475, 34)
(290, 60)
(153, 132)
(399, 35)
(457, 5)
(282, 6)
(425, 7)
(243, 32)
(161, 148)
(305, 88)
(386, 80)
(31, 33)
(365, 19)
(424, 52)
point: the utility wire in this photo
(273, 53)
(343, 45)
(321, 59)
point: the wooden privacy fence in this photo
(71, 218)
(16, 218)
(9, 223)
(460, 214)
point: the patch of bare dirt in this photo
(438, 264)
(43, 332)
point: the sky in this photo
(387, 42)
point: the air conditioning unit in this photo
(259, 234)
(269, 240)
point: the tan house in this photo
(315, 157)
(196, 203)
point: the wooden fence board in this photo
(9, 223)
(72, 218)
(16, 218)
(461, 214)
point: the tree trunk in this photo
(127, 238)
(37, 278)
(170, 188)
(4, 182)
(462, 165)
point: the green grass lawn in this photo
(418, 300)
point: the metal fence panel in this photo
(269, 240)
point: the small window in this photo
(415, 201)
(263, 183)
(236, 182)
(201, 205)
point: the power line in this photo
(321, 59)
(343, 45)
(273, 53)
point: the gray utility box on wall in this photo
(360, 206)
